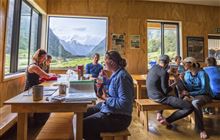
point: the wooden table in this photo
(139, 80)
(23, 104)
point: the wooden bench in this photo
(7, 119)
(122, 135)
(146, 105)
(58, 127)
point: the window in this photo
(214, 47)
(22, 35)
(163, 38)
(74, 40)
(11, 5)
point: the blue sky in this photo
(85, 30)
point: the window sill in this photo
(13, 76)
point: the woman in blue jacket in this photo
(197, 84)
(213, 72)
(114, 114)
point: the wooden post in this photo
(22, 126)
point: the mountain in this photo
(55, 48)
(100, 48)
(75, 48)
(72, 48)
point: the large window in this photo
(22, 35)
(74, 40)
(163, 38)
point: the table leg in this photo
(78, 130)
(138, 91)
(22, 126)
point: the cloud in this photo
(79, 29)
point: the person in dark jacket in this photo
(158, 90)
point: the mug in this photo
(37, 92)
(62, 89)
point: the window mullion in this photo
(39, 30)
(29, 43)
(162, 38)
(15, 37)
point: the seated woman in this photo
(94, 68)
(114, 114)
(197, 85)
(34, 72)
(213, 72)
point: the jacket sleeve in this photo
(165, 83)
(125, 94)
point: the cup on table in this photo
(62, 89)
(37, 92)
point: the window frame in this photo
(162, 23)
(16, 36)
(73, 16)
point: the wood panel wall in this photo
(129, 16)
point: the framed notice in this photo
(195, 48)
(134, 41)
(118, 43)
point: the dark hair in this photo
(49, 56)
(41, 52)
(96, 54)
(211, 61)
(116, 57)
(178, 57)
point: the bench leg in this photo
(146, 120)
(192, 118)
(138, 109)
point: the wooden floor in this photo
(184, 130)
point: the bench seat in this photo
(146, 105)
(58, 127)
(7, 119)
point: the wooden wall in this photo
(129, 16)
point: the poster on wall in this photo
(134, 41)
(195, 48)
(118, 43)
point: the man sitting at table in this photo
(94, 68)
(158, 90)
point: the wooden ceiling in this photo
(197, 2)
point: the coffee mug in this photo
(37, 92)
(62, 89)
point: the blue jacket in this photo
(197, 84)
(93, 69)
(121, 94)
(214, 77)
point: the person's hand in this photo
(181, 76)
(185, 93)
(104, 95)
